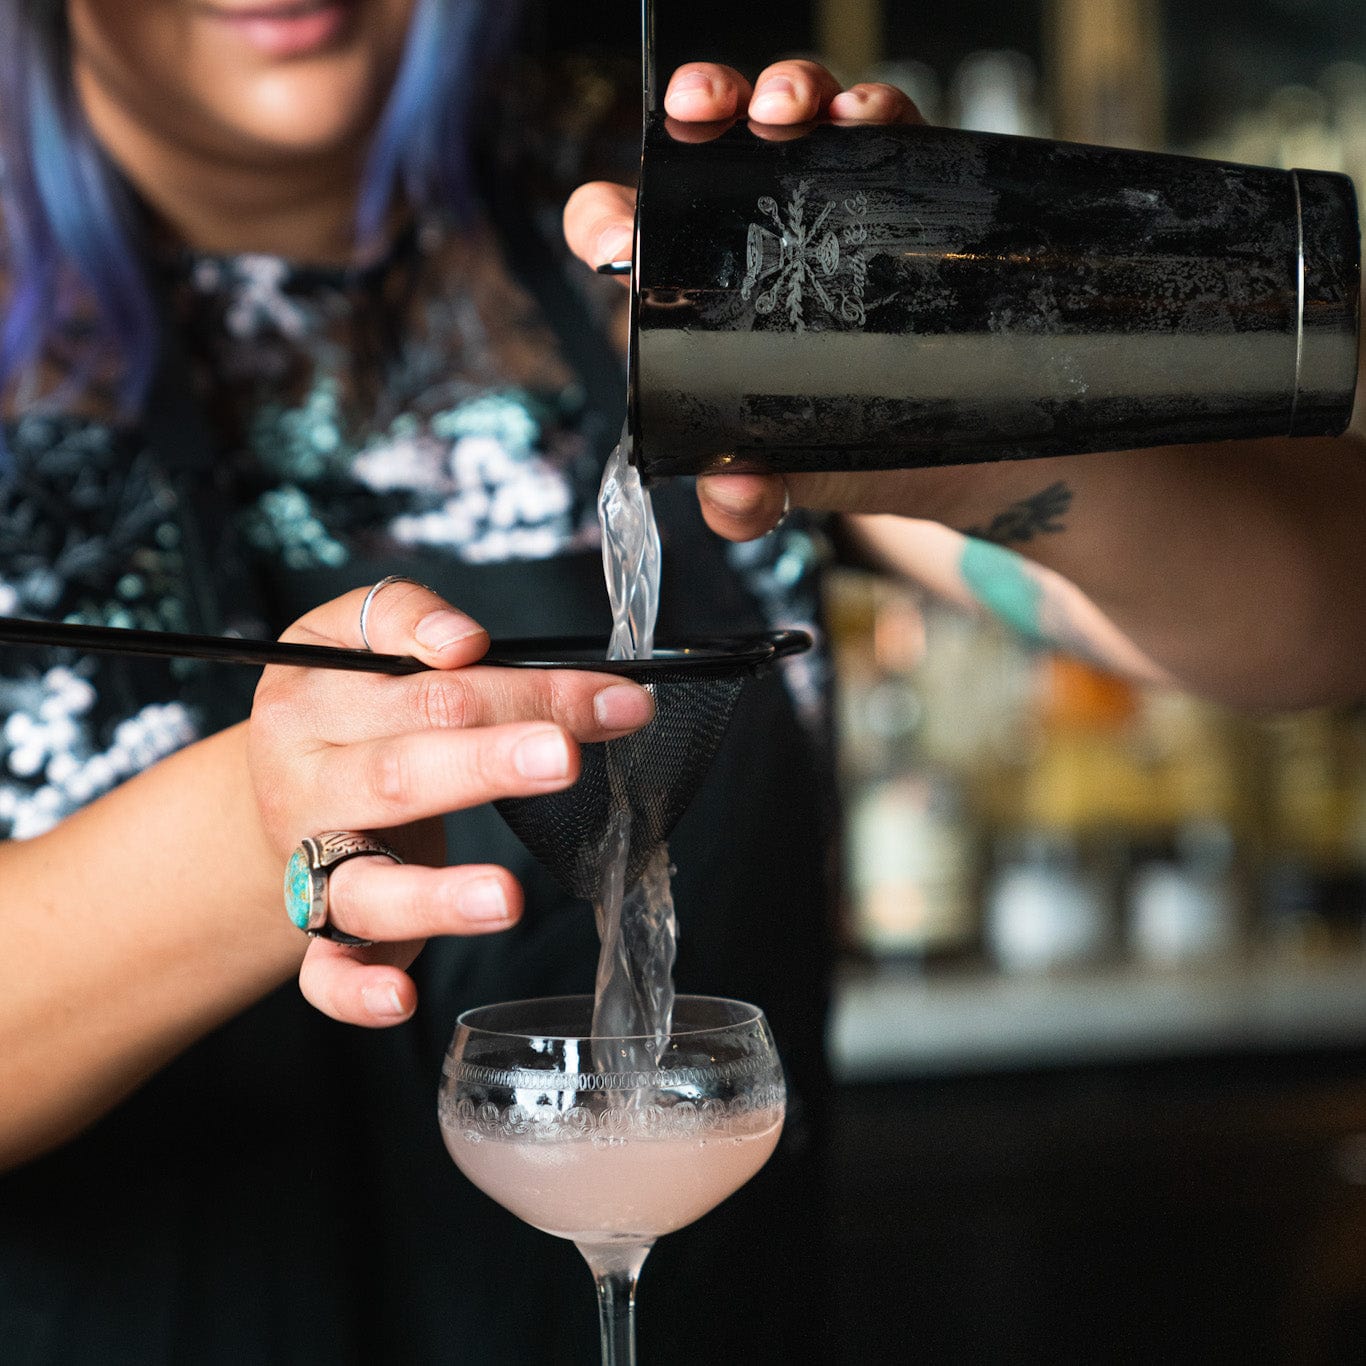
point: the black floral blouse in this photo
(420, 406)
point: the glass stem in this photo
(617, 1318)
(615, 1272)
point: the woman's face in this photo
(246, 80)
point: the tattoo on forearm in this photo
(1003, 583)
(1038, 515)
(1023, 598)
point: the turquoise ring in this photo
(308, 870)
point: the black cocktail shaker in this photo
(888, 297)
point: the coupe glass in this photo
(592, 1140)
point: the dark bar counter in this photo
(1197, 1194)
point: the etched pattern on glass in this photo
(753, 1112)
(663, 1079)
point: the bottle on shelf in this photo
(1186, 887)
(1053, 895)
(910, 850)
(1314, 889)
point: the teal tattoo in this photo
(1000, 580)
(1037, 515)
(1006, 584)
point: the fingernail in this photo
(484, 900)
(623, 707)
(858, 98)
(615, 244)
(688, 81)
(382, 1001)
(730, 500)
(440, 629)
(773, 96)
(688, 94)
(542, 755)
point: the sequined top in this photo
(279, 1191)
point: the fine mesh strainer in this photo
(658, 769)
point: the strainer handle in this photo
(789, 643)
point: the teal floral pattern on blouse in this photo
(419, 404)
(89, 533)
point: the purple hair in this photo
(74, 240)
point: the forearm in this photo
(130, 930)
(1233, 568)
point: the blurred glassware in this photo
(911, 854)
(998, 92)
(1106, 71)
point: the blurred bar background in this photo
(1102, 1029)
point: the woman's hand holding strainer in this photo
(336, 757)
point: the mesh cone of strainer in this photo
(655, 772)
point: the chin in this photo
(301, 112)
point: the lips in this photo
(293, 28)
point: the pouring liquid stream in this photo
(636, 925)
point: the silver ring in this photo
(307, 873)
(370, 598)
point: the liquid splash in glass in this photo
(636, 925)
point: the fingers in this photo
(599, 218)
(741, 507)
(391, 903)
(366, 987)
(599, 222)
(703, 92)
(590, 706)
(792, 92)
(406, 618)
(331, 749)
(399, 906)
(873, 102)
(387, 782)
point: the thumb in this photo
(742, 507)
(401, 617)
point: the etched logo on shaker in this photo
(801, 261)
